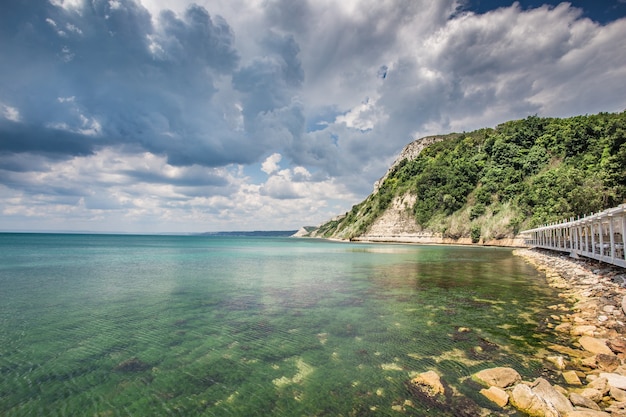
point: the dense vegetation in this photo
(492, 182)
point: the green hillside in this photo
(491, 183)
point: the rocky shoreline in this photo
(589, 361)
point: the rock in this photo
(624, 304)
(607, 363)
(557, 360)
(588, 413)
(496, 395)
(580, 401)
(592, 394)
(563, 327)
(618, 394)
(429, 383)
(615, 380)
(583, 330)
(500, 377)
(550, 395)
(568, 351)
(615, 410)
(617, 345)
(621, 370)
(589, 362)
(524, 399)
(594, 345)
(608, 309)
(571, 378)
(601, 384)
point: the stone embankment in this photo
(589, 363)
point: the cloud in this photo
(270, 165)
(131, 82)
(243, 114)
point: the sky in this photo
(169, 116)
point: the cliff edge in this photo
(482, 187)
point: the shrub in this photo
(477, 211)
(475, 233)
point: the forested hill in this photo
(489, 184)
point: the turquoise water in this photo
(105, 325)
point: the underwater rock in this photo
(432, 391)
(429, 383)
(132, 365)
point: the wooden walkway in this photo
(601, 236)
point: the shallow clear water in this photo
(105, 325)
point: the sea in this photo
(129, 325)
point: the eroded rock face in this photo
(501, 377)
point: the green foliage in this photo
(475, 233)
(477, 211)
(547, 169)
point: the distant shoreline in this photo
(514, 243)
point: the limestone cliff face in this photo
(410, 152)
(396, 220)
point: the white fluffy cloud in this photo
(246, 114)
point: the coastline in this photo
(426, 239)
(590, 324)
(585, 366)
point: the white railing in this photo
(600, 236)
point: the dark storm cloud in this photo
(101, 75)
(269, 82)
(51, 142)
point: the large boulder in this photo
(524, 399)
(550, 395)
(501, 377)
